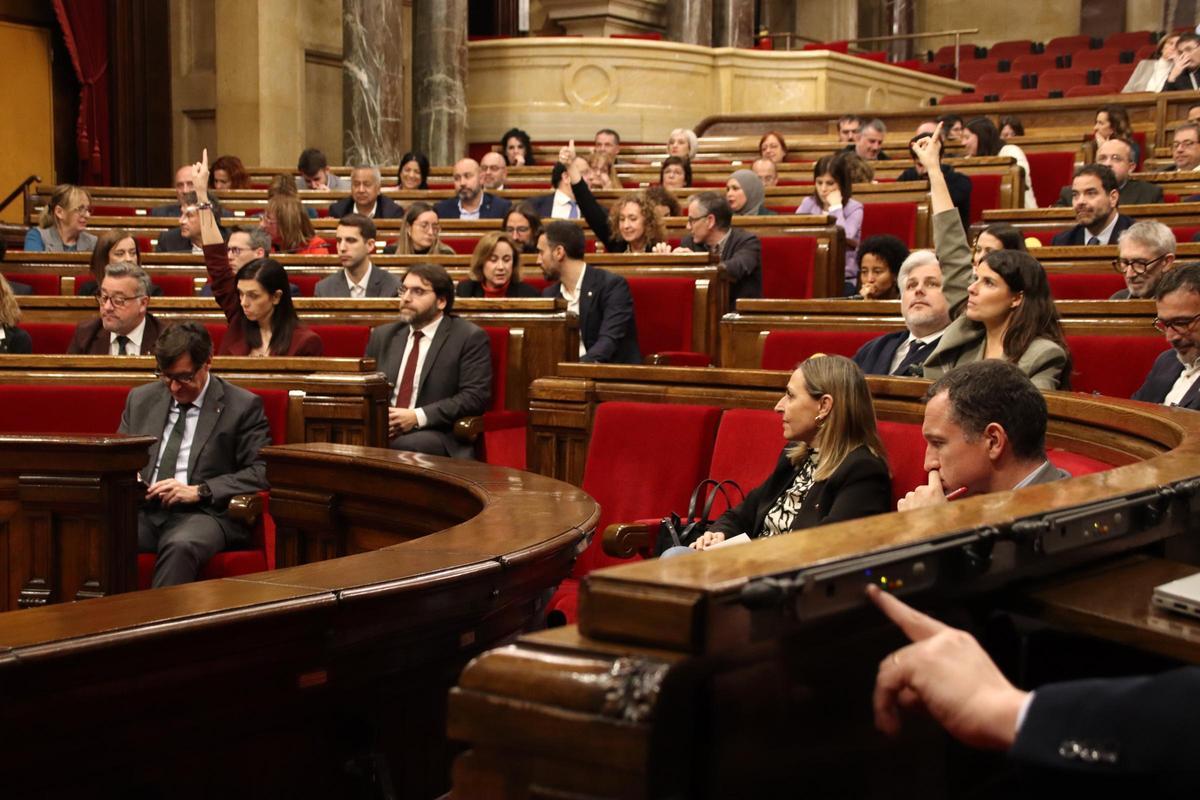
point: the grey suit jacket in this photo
(382, 284)
(231, 431)
(456, 379)
(964, 342)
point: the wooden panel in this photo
(26, 137)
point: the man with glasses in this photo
(710, 228)
(1173, 380)
(125, 327)
(1146, 251)
(470, 200)
(1117, 155)
(1185, 72)
(186, 238)
(208, 434)
(493, 171)
(1185, 148)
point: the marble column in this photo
(733, 23)
(440, 79)
(372, 81)
(690, 22)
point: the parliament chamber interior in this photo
(452, 317)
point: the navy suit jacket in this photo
(385, 208)
(1162, 377)
(492, 208)
(543, 205)
(1078, 236)
(875, 357)
(606, 322)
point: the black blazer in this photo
(15, 340)
(875, 357)
(1162, 377)
(20, 288)
(492, 207)
(860, 487)
(742, 258)
(606, 322)
(473, 288)
(1133, 193)
(385, 208)
(173, 210)
(1078, 236)
(958, 184)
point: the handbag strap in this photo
(712, 496)
(692, 504)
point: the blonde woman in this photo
(12, 338)
(62, 227)
(421, 233)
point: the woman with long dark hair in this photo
(981, 137)
(414, 171)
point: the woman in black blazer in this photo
(14, 339)
(833, 468)
(495, 270)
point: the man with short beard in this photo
(1096, 199)
(439, 366)
(470, 201)
(494, 171)
(1174, 380)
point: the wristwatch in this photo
(204, 492)
(205, 206)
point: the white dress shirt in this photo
(563, 205)
(903, 349)
(428, 332)
(1105, 235)
(1182, 384)
(358, 289)
(134, 346)
(189, 432)
(572, 298)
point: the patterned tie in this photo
(1094, 240)
(122, 345)
(404, 394)
(910, 366)
(170, 454)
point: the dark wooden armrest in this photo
(628, 539)
(468, 429)
(246, 508)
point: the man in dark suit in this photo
(1185, 148)
(439, 366)
(985, 431)
(208, 436)
(186, 238)
(470, 201)
(562, 204)
(1117, 155)
(359, 277)
(1174, 380)
(710, 226)
(958, 184)
(1185, 72)
(1096, 200)
(926, 312)
(607, 333)
(125, 327)
(366, 197)
(183, 185)
(1145, 253)
(869, 142)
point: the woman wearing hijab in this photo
(745, 193)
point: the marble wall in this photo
(373, 108)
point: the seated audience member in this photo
(832, 195)
(1184, 71)
(1117, 155)
(243, 246)
(1011, 126)
(1174, 380)
(952, 126)
(926, 127)
(601, 299)
(493, 171)
(359, 277)
(562, 204)
(879, 260)
(607, 142)
(315, 174)
(632, 225)
(289, 227)
(414, 171)
(12, 338)
(833, 467)
(495, 270)
(517, 148)
(186, 238)
(1145, 252)
(523, 225)
(183, 186)
(745, 194)
(847, 128)
(710, 228)
(1193, 114)
(257, 302)
(470, 201)
(125, 327)
(286, 185)
(1109, 737)
(980, 137)
(1097, 207)
(209, 434)
(985, 431)
(675, 173)
(683, 143)
(1185, 149)
(62, 226)
(601, 173)
(228, 172)
(421, 233)
(859, 169)
(113, 247)
(1112, 122)
(366, 197)
(1151, 74)
(662, 199)
(439, 365)
(766, 171)
(869, 144)
(772, 146)
(958, 184)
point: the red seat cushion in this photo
(41, 284)
(787, 266)
(985, 195)
(1050, 172)
(960, 99)
(1096, 91)
(463, 245)
(905, 448)
(1065, 45)
(49, 338)
(216, 331)
(175, 285)
(1076, 463)
(663, 313)
(783, 350)
(746, 449)
(1115, 366)
(895, 219)
(1061, 80)
(59, 408)
(343, 341)
(1084, 286)
(307, 285)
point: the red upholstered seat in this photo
(503, 439)
(57, 408)
(985, 195)
(747, 446)
(1129, 40)
(1033, 64)
(216, 332)
(175, 285)
(1115, 366)
(997, 83)
(663, 314)
(1084, 286)
(1117, 74)
(1043, 236)
(1095, 91)
(837, 47)
(880, 56)
(783, 350)
(896, 219)
(945, 55)
(960, 99)
(1023, 94)
(49, 338)
(1050, 172)
(905, 447)
(1095, 59)
(343, 341)
(1065, 45)
(787, 265)
(1060, 80)
(1011, 49)
(971, 71)
(41, 284)
(463, 245)
(1076, 463)
(307, 283)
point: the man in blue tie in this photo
(926, 312)
(1095, 196)
(562, 204)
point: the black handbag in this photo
(676, 532)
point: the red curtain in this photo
(85, 28)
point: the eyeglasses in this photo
(1184, 143)
(694, 220)
(429, 227)
(415, 292)
(85, 210)
(175, 377)
(521, 229)
(1181, 325)
(118, 300)
(1138, 265)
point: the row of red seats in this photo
(1141, 43)
(1049, 69)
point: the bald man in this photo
(470, 201)
(494, 170)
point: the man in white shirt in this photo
(125, 326)
(358, 278)
(1096, 198)
(1174, 380)
(1185, 148)
(470, 201)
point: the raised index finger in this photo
(916, 626)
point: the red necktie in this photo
(404, 396)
